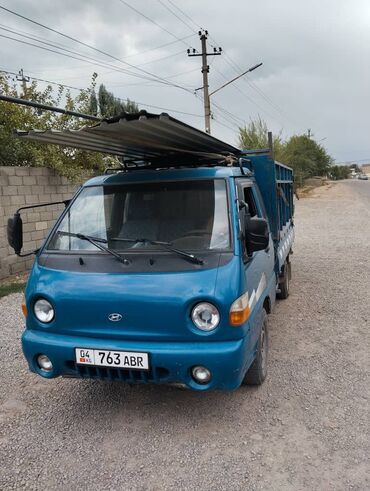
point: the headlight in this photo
(43, 310)
(205, 316)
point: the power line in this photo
(150, 20)
(185, 15)
(86, 59)
(236, 119)
(224, 114)
(162, 58)
(119, 98)
(43, 80)
(103, 64)
(96, 63)
(159, 47)
(40, 38)
(177, 16)
(252, 101)
(207, 111)
(235, 67)
(257, 89)
(87, 45)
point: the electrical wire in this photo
(159, 47)
(150, 20)
(59, 84)
(97, 63)
(185, 15)
(223, 113)
(45, 81)
(257, 89)
(232, 117)
(253, 85)
(237, 69)
(174, 13)
(41, 39)
(88, 45)
(252, 101)
(163, 58)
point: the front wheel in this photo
(258, 371)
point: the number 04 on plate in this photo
(113, 359)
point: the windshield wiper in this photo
(166, 245)
(96, 241)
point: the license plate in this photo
(113, 359)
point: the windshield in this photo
(189, 215)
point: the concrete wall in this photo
(21, 186)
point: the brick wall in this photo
(29, 186)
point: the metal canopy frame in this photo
(156, 140)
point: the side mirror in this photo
(15, 233)
(256, 234)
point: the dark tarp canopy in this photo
(141, 137)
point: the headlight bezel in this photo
(41, 316)
(200, 324)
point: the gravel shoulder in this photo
(306, 428)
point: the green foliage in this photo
(8, 288)
(339, 172)
(306, 157)
(254, 136)
(302, 153)
(72, 163)
(107, 105)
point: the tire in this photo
(284, 286)
(258, 370)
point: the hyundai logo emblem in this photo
(115, 317)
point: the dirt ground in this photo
(306, 428)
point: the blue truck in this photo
(164, 270)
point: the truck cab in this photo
(163, 275)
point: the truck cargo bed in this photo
(275, 182)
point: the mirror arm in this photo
(17, 216)
(64, 202)
(29, 253)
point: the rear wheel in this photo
(258, 371)
(284, 284)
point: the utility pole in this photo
(21, 78)
(205, 70)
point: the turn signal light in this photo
(239, 311)
(24, 309)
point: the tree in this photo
(306, 157)
(302, 153)
(106, 105)
(339, 172)
(72, 163)
(255, 136)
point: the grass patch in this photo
(9, 288)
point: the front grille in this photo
(131, 376)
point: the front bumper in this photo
(169, 362)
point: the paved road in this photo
(362, 188)
(306, 428)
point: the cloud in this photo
(315, 70)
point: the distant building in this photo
(366, 169)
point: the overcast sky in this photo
(315, 73)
